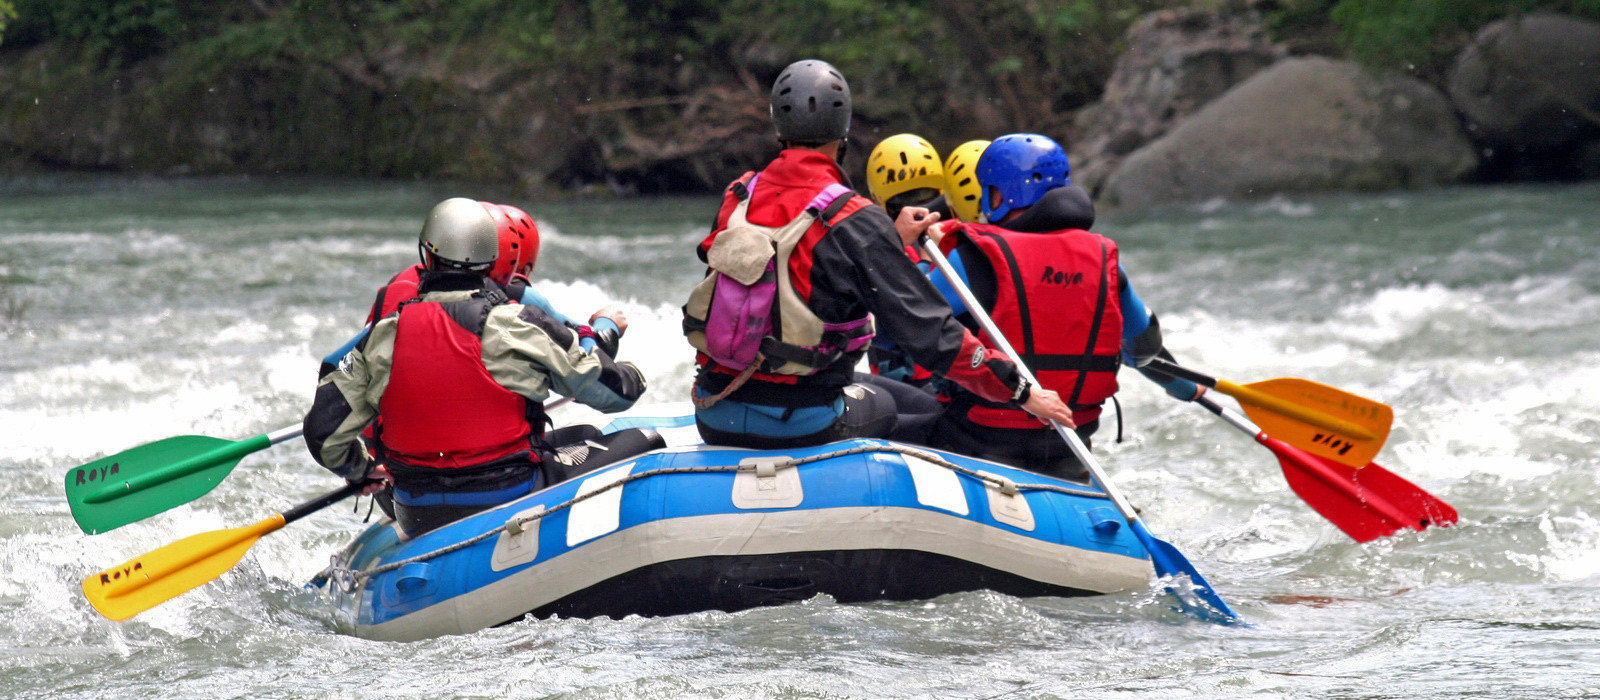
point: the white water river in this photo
(132, 310)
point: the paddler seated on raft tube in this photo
(1058, 293)
(795, 243)
(518, 253)
(458, 377)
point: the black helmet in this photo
(811, 103)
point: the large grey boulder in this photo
(1303, 125)
(1529, 89)
(1177, 60)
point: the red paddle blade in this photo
(1365, 503)
(1407, 496)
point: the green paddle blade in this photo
(135, 484)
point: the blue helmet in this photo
(1022, 167)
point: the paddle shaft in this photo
(323, 501)
(1288, 456)
(1264, 400)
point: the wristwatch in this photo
(1024, 389)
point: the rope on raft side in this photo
(348, 580)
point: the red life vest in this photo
(442, 408)
(1057, 302)
(400, 289)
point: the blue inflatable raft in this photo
(692, 527)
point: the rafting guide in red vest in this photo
(1058, 292)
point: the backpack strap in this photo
(829, 201)
(743, 188)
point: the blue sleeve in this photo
(936, 276)
(1135, 322)
(532, 297)
(334, 358)
(1135, 317)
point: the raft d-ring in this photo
(1008, 487)
(760, 484)
(344, 579)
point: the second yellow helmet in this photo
(961, 188)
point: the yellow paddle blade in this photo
(1317, 418)
(144, 582)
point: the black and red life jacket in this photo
(442, 409)
(1056, 300)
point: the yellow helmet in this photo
(900, 164)
(961, 188)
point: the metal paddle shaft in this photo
(1365, 503)
(144, 582)
(1166, 559)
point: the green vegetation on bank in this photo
(621, 48)
(1420, 36)
(7, 12)
(567, 92)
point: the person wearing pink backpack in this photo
(803, 272)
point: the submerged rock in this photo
(1305, 124)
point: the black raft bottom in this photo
(736, 583)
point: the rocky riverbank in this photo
(1204, 105)
(1201, 103)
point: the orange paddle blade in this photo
(144, 582)
(1317, 418)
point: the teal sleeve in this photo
(532, 297)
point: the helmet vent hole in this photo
(1037, 177)
(812, 103)
(785, 91)
(903, 158)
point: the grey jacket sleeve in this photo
(533, 354)
(347, 400)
